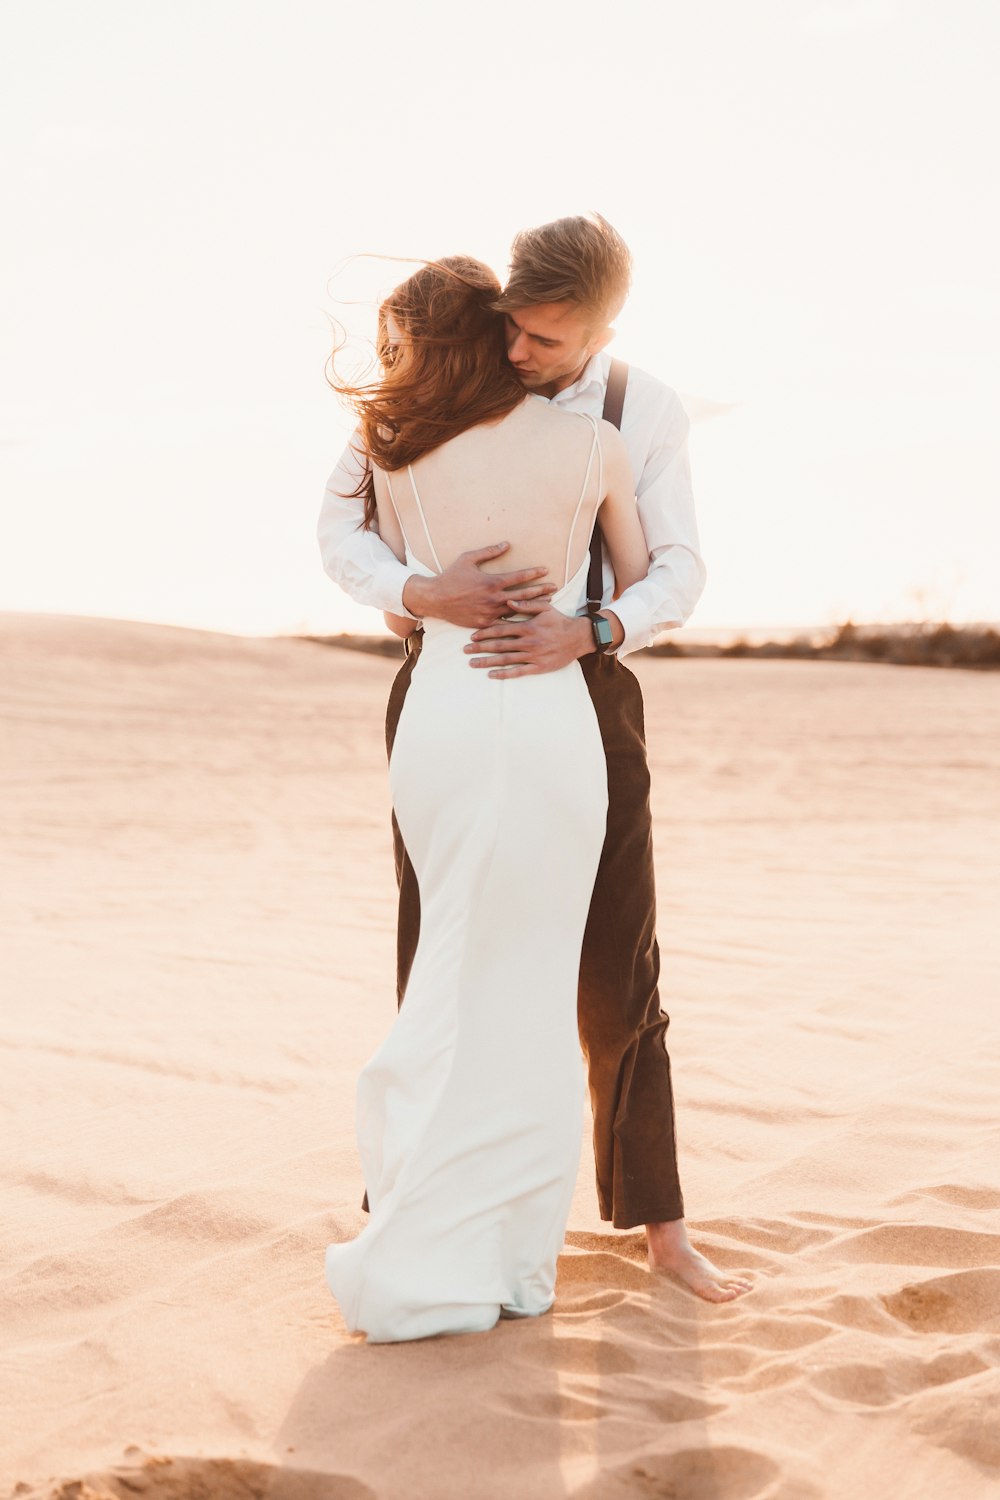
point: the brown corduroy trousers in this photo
(622, 1027)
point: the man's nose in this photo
(517, 349)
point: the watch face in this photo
(602, 632)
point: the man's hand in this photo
(464, 595)
(523, 648)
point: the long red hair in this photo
(448, 370)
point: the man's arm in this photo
(357, 560)
(369, 572)
(665, 598)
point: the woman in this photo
(469, 1115)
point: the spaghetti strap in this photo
(423, 518)
(586, 480)
(406, 539)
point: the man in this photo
(568, 281)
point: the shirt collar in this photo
(594, 373)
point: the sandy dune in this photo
(197, 934)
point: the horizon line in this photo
(689, 632)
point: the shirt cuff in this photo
(387, 588)
(639, 629)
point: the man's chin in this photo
(530, 381)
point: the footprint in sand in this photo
(159, 1477)
(965, 1302)
(695, 1474)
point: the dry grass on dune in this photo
(925, 644)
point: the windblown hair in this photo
(448, 371)
(581, 260)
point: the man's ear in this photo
(602, 337)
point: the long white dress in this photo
(469, 1115)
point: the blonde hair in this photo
(582, 260)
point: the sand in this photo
(197, 930)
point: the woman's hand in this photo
(464, 595)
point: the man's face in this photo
(550, 343)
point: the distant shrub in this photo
(845, 638)
(926, 644)
(377, 645)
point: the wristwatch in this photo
(603, 639)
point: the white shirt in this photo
(654, 428)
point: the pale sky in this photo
(808, 189)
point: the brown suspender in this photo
(614, 404)
(614, 396)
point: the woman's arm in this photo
(392, 534)
(619, 515)
(400, 625)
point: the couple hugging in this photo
(519, 506)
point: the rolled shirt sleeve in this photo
(665, 598)
(357, 560)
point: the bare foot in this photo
(670, 1250)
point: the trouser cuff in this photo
(630, 1217)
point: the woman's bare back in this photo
(519, 480)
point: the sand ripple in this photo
(198, 949)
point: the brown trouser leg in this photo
(622, 1027)
(621, 1024)
(408, 923)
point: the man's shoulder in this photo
(657, 401)
(641, 382)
